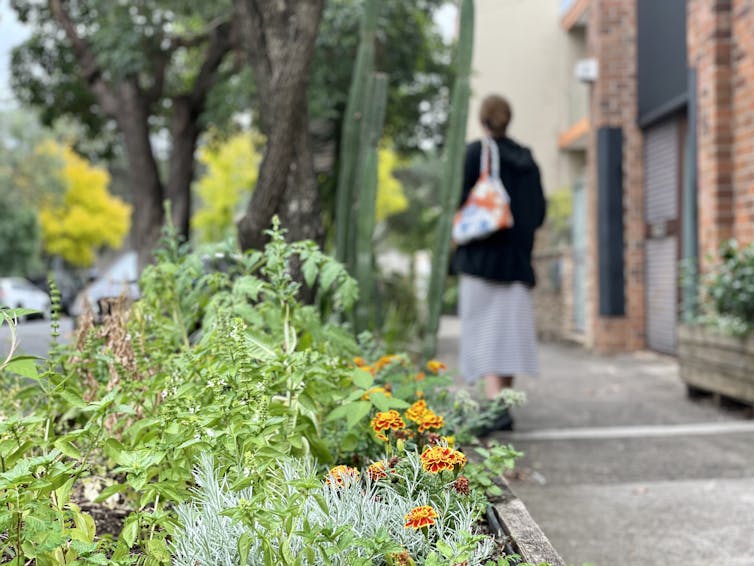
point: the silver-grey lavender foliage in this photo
(209, 538)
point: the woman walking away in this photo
(498, 337)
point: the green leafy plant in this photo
(496, 459)
(728, 290)
(219, 361)
(38, 470)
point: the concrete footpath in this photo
(622, 469)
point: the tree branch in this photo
(220, 44)
(160, 65)
(90, 68)
(254, 43)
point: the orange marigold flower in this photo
(390, 420)
(383, 390)
(435, 366)
(360, 362)
(340, 475)
(377, 471)
(420, 517)
(435, 459)
(416, 411)
(459, 458)
(402, 559)
(421, 376)
(430, 420)
(384, 361)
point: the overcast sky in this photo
(12, 33)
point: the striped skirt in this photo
(498, 335)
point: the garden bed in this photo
(715, 363)
(519, 529)
(138, 444)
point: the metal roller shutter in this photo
(661, 189)
(662, 294)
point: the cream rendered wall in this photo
(519, 53)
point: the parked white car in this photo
(17, 292)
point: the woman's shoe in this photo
(504, 421)
(491, 423)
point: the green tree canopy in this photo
(410, 50)
(19, 235)
(146, 69)
(22, 186)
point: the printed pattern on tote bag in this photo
(487, 208)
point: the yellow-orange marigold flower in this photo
(382, 390)
(360, 362)
(377, 470)
(341, 475)
(416, 411)
(421, 376)
(389, 420)
(435, 459)
(384, 361)
(459, 458)
(402, 559)
(430, 420)
(435, 366)
(420, 517)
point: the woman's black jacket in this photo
(505, 255)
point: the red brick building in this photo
(668, 156)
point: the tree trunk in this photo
(279, 37)
(185, 130)
(130, 106)
(300, 212)
(144, 176)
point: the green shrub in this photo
(728, 290)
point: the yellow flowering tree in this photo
(390, 196)
(232, 168)
(86, 216)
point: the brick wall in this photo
(709, 37)
(612, 39)
(743, 118)
(721, 48)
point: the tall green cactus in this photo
(345, 222)
(453, 174)
(374, 119)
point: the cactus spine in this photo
(345, 221)
(453, 174)
(374, 119)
